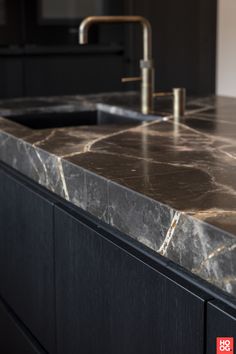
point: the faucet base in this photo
(147, 86)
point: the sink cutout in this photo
(42, 120)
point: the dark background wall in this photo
(48, 62)
(184, 42)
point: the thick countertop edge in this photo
(110, 202)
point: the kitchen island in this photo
(164, 188)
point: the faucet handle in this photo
(162, 94)
(131, 79)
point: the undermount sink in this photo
(42, 120)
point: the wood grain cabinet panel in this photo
(110, 302)
(13, 339)
(221, 322)
(26, 257)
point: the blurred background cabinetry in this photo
(40, 55)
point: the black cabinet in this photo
(26, 257)
(72, 73)
(110, 302)
(51, 71)
(221, 322)
(13, 339)
(11, 73)
(184, 43)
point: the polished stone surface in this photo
(169, 184)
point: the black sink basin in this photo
(42, 120)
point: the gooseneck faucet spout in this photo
(146, 64)
(147, 30)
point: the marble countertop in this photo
(170, 185)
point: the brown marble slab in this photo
(169, 184)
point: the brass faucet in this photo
(146, 64)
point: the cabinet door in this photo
(193, 50)
(26, 257)
(110, 302)
(11, 73)
(221, 322)
(72, 74)
(13, 339)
